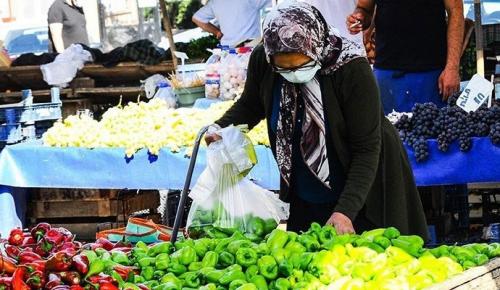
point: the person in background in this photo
(341, 161)
(417, 55)
(67, 25)
(335, 12)
(238, 21)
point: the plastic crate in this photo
(11, 133)
(36, 112)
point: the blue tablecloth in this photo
(205, 103)
(480, 164)
(34, 165)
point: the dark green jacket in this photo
(379, 178)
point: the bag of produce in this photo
(232, 76)
(225, 200)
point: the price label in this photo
(477, 91)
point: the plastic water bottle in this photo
(166, 93)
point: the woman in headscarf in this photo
(341, 161)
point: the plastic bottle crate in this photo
(33, 113)
(11, 133)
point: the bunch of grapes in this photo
(447, 125)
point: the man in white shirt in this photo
(335, 13)
(239, 20)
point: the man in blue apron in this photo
(418, 48)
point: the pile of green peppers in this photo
(282, 260)
(217, 223)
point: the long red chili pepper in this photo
(18, 279)
(70, 277)
(12, 251)
(81, 264)
(106, 244)
(5, 283)
(60, 261)
(39, 231)
(53, 281)
(28, 257)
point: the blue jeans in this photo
(399, 90)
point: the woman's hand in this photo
(342, 224)
(212, 137)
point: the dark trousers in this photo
(303, 213)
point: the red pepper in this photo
(61, 287)
(12, 251)
(28, 257)
(107, 286)
(68, 248)
(5, 283)
(123, 271)
(36, 280)
(76, 287)
(53, 281)
(81, 264)
(143, 287)
(54, 236)
(106, 244)
(39, 231)
(67, 235)
(28, 242)
(97, 279)
(60, 261)
(16, 237)
(7, 265)
(70, 277)
(40, 249)
(123, 249)
(18, 279)
(38, 265)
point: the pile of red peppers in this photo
(49, 258)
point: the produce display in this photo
(447, 125)
(151, 125)
(49, 258)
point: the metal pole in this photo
(168, 31)
(180, 208)
(478, 28)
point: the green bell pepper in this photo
(234, 267)
(210, 259)
(282, 284)
(280, 254)
(235, 284)
(410, 244)
(209, 286)
(195, 266)
(162, 261)
(296, 277)
(204, 216)
(247, 286)
(270, 225)
(480, 259)
(305, 259)
(277, 239)
(214, 276)
(226, 259)
(223, 243)
(295, 247)
(360, 242)
(260, 282)
(493, 250)
(246, 257)
(322, 268)
(370, 235)
(285, 268)
(138, 279)
(170, 277)
(235, 245)
(137, 253)
(176, 268)
(261, 249)
(382, 241)
(201, 246)
(230, 276)
(268, 267)
(253, 237)
(327, 233)
(309, 241)
(377, 248)
(142, 245)
(130, 286)
(292, 236)
(185, 256)
(214, 233)
(158, 274)
(151, 284)
(191, 279)
(256, 225)
(251, 271)
(168, 286)
(120, 258)
(184, 243)
(391, 233)
(468, 264)
(146, 261)
(314, 228)
(147, 273)
(163, 247)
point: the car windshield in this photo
(21, 41)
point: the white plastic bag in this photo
(64, 68)
(224, 200)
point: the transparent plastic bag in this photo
(225, 201)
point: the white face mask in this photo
(301, 76)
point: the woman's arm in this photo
(56, 33)
(362, 113)
(249, 108)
